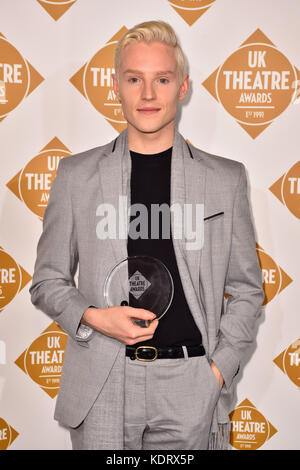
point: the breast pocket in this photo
(213, 216)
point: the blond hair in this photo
(151, 31)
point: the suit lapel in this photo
(195, 179)
(114, 174)
(188, 178)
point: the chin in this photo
(150, 129)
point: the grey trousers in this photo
(169, 404)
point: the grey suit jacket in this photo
(226, 263)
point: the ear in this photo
(116, 86)
(184, 87)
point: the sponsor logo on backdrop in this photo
(12, 278)
(289, 362)
(18, 78)
(7, 434)
(56, 8)
(42, 361)
(94, 81)
(275, 279)
(32, 184)
(255, 84)
(287, 189)
(249, 427)
(191, 10)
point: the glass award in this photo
(140, 282)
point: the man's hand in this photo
(217, 374)
(117, 322)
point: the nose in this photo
(148, 91)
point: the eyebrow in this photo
(162, 72)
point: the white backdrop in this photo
(51, 107)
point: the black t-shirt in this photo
(150, 184)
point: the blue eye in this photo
(163, 80)
(133, 80)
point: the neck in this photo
(150, 143)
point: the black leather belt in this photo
(151, 353)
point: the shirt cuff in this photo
(84, 332)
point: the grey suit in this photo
(226, 263)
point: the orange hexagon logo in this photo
(56, 8)
(191, 10)
(249, 427)
(275, 279)
(7, 434)
(42, 361)
(32, 184)
(12, 278)
(287, 189)
(18, 78)
(289, 362)
(94, 81)
(255, 84)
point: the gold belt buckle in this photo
(146, 360)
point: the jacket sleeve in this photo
(243, 284)
(53, 289)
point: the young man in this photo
(113, 395)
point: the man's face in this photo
(148, 86)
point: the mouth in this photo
(148, 110)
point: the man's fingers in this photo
(141, 313)
(148, 327)
(139, 333)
